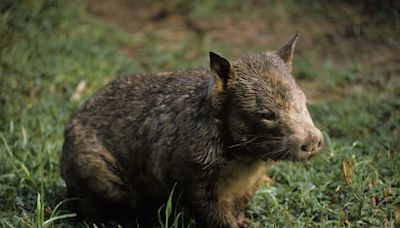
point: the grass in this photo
(49, 47)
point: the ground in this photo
(55, 54)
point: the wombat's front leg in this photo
(209, 212)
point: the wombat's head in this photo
(261, 108)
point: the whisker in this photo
(243, 143)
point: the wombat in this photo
(208, 132)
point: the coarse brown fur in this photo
(209, 131)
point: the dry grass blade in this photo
(78, 91)
(370, 186)
(347, 172)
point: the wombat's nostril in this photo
(319, 143)
(305, 148)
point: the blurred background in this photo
(55, 54)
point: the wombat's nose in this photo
(313, 143)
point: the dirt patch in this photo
(256, 26)
(239, 30)
(344, 37)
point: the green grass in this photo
(49, 47)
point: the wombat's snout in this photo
(311, 144)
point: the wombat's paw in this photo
(243, 222)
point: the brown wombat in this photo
(209, 131)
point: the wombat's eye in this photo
(270, 116)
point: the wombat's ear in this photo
(221, 69)
(286, 52)
(220, 66)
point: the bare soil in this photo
(344, 38)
